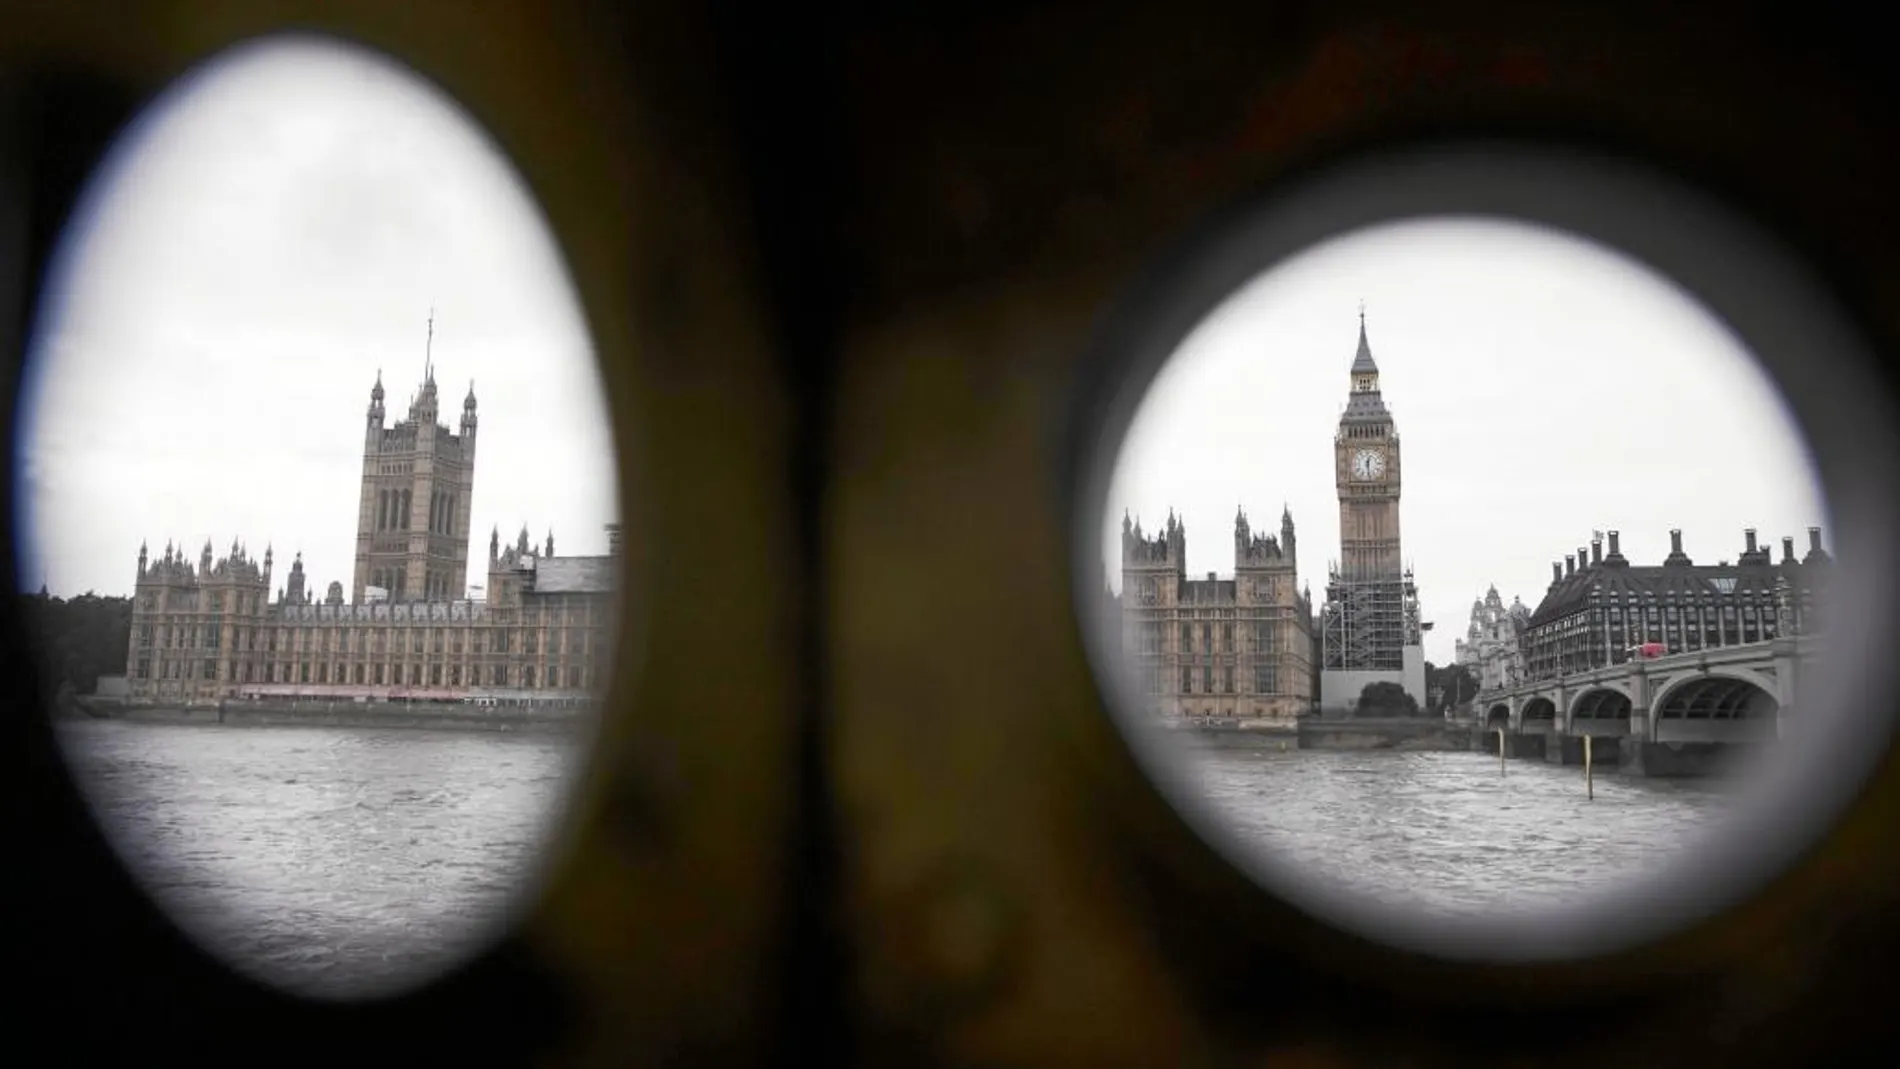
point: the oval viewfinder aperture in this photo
(319, 494)
(1467, 580)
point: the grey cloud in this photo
(279, 236)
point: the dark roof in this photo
(1364, 406)
(1362, 360)
(1572, 593)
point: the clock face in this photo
(1368, 464)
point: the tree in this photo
(1451, 685)
(1460, 685)
(1385, 699)
(76, 641)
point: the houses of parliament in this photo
(1252, 647)
(408, 629)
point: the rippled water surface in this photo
(1447, 832)
(329, 860)
(347, 861)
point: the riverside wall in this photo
(1328, 733)
(1417, 734)
(440, 716)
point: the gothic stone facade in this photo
(1491, 647)
(1228, 648)
(412, 519)
(212, 630)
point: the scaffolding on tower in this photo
(1367, 622)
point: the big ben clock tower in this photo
(1369, 631)
(1366, 473)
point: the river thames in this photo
(1452, 833)
(332, 861)
(338, 861)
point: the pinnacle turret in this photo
(428, 356)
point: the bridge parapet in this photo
(1647, 685)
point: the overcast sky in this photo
(1542, 388)
(271, 234)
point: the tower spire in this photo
(1362, 363)
(428, 349)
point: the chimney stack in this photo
(1556, 573)
(1814, 540)
(1615, 550)
(1210, 577)
(1570, 564)
(1787, 551)
(1596, 551)
(1750, 535)
(1675, 541)
(613, 540)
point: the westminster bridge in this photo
(1666, 715)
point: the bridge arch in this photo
(1499, 716)
(1715, 696)
(1601, 703)
(1539, 708)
